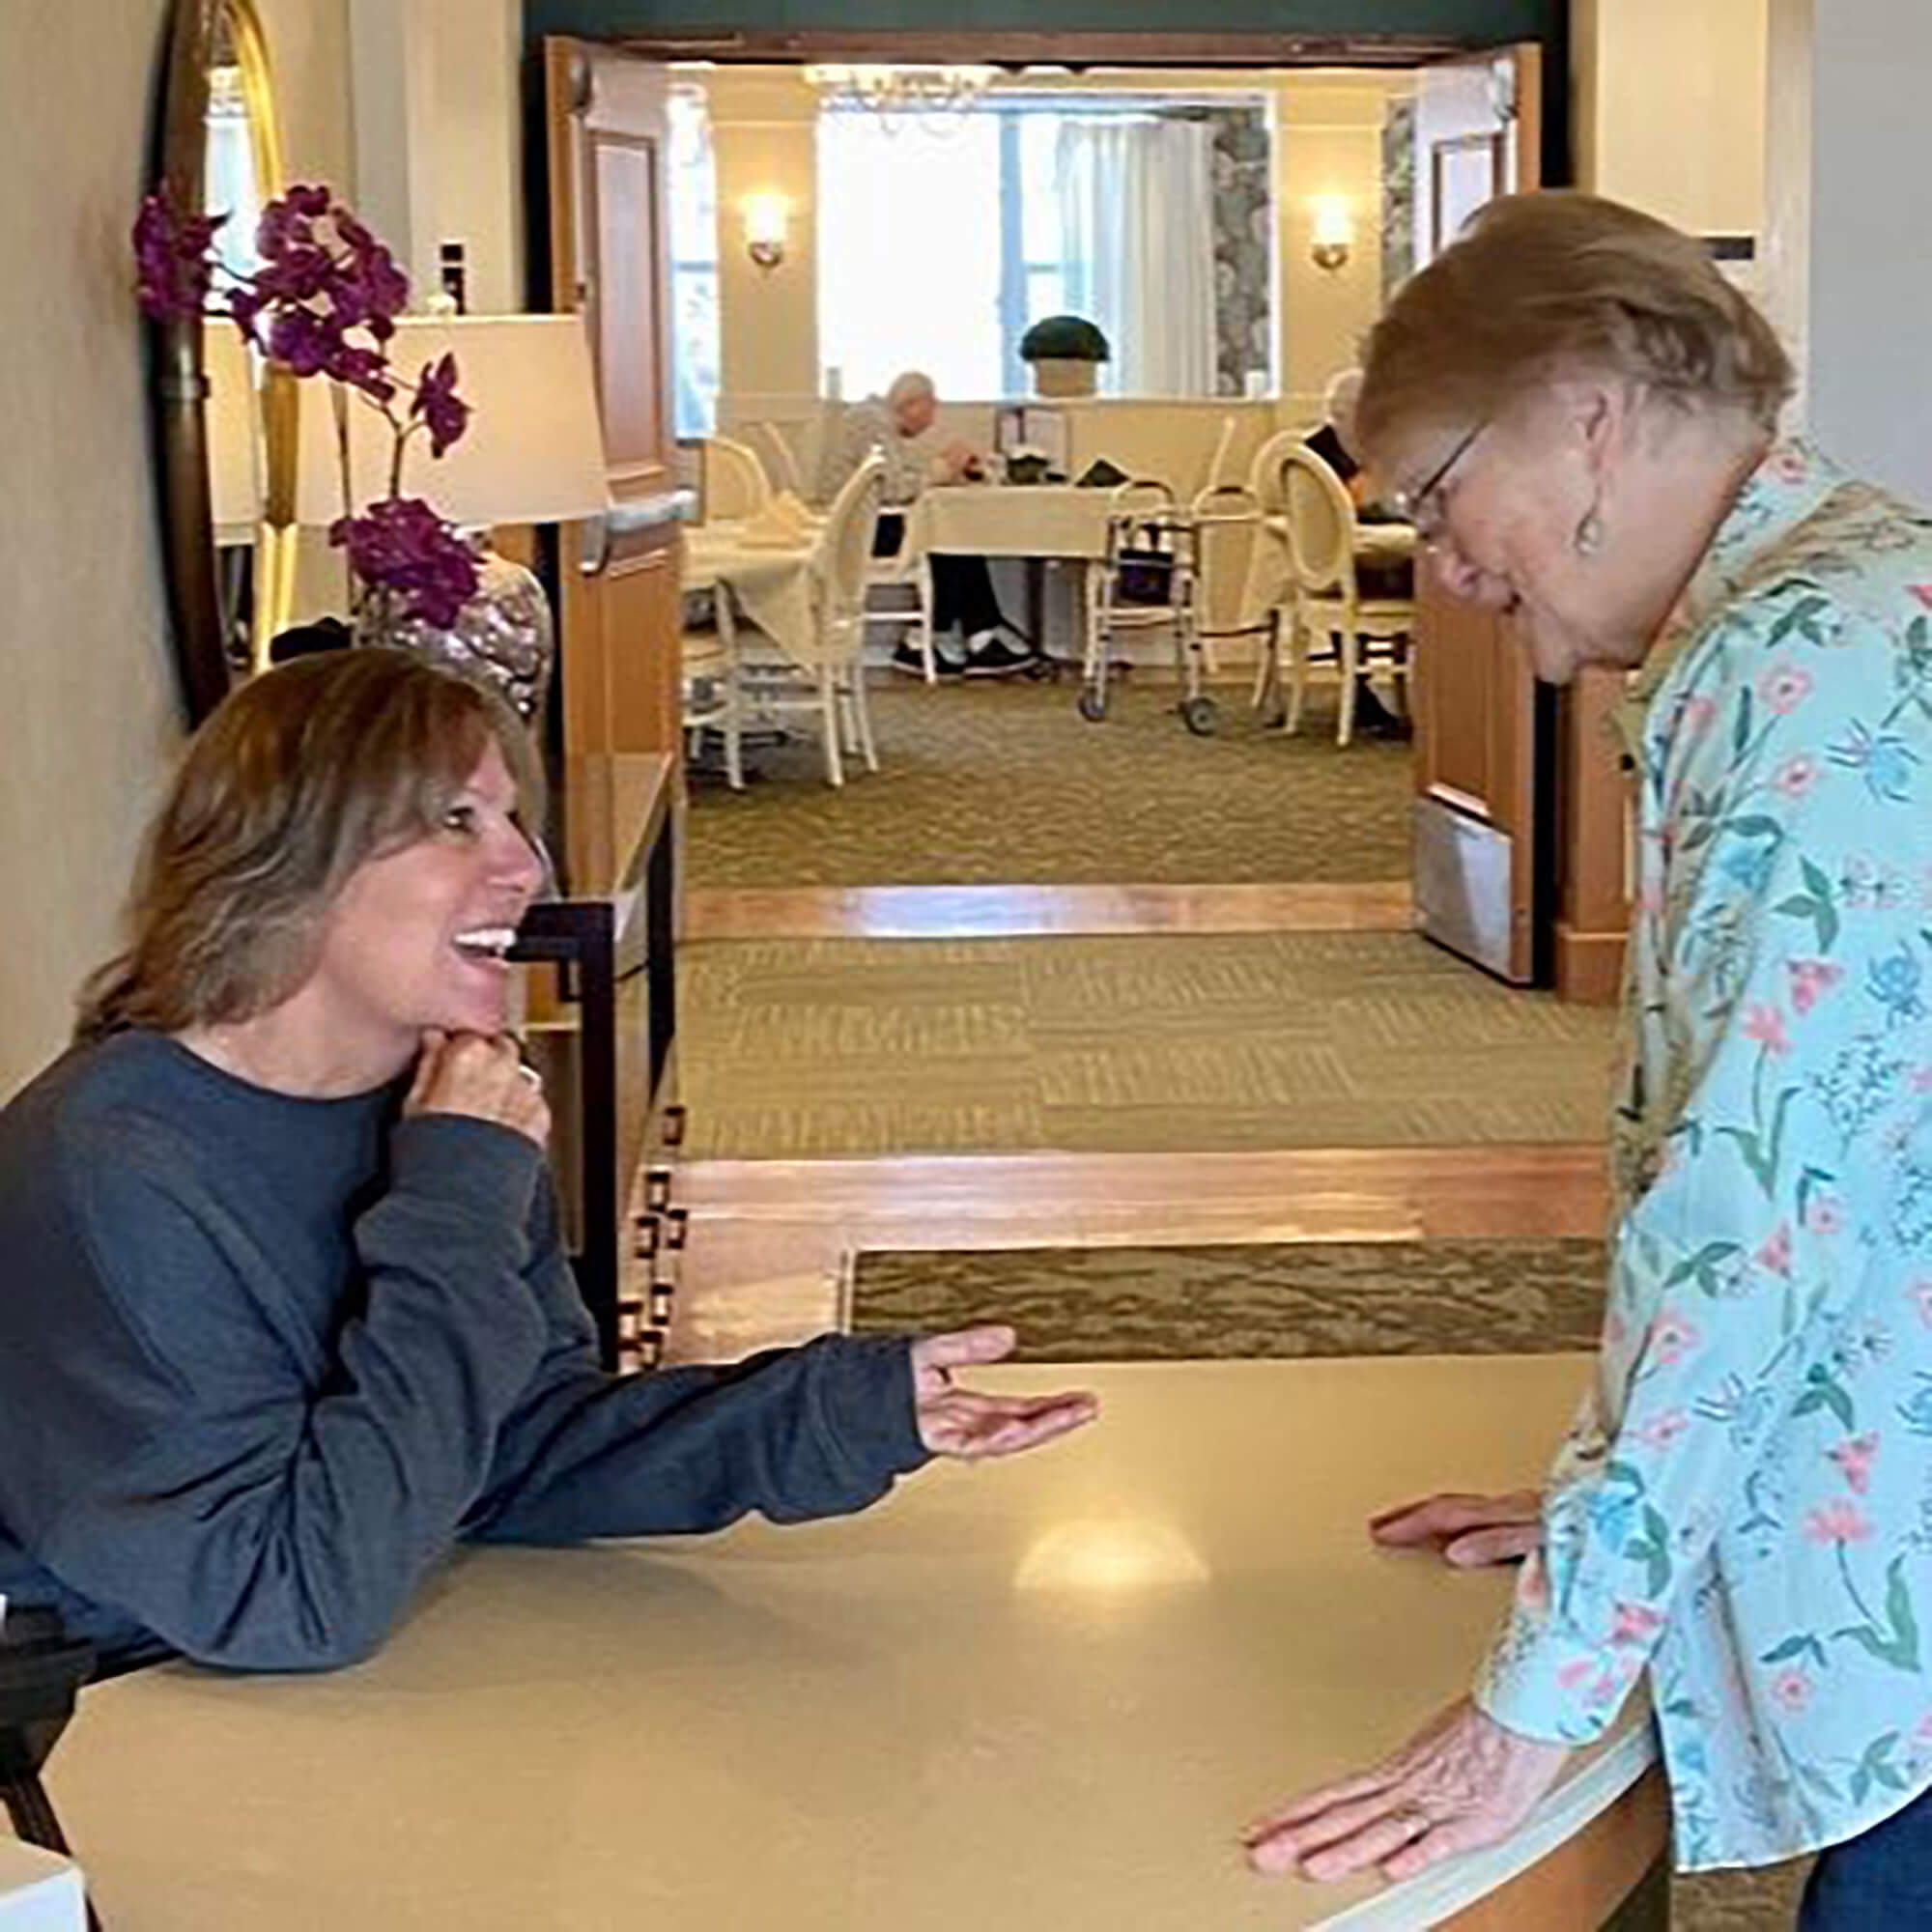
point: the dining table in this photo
(1032, 1693)
(760, 570)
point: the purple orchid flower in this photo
(401, 545)
(438, 405)
(173, 259)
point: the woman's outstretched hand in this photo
(959, 1422)
(1469, 1531)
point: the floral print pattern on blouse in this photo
(1742, 1511)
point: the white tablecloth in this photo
(1020, 519)
(768, 583)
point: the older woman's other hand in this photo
(483, 1077)
(1469, 1531)
(1462, 1781)
(957, 1422)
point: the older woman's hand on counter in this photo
(959, 1422)
(1463, 1782)
(1468, 1531)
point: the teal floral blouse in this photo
(1744, 1507)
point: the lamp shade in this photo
(233, 420)
(532, 453)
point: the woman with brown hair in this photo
(1582, 414)
(287, 1312)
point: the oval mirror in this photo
(224, 443)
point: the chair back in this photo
(1320, 525)
(780, 459)
(838, 566)
(735, 483)
(1265, 476)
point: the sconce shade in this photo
(767, 219)
(533, 452)
(1333, 233)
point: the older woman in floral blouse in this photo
(1582, 414)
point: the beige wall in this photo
(88, 682)
(1855, 281)
(1328, 142)
(763, 126)
(430, 89)
(1670, 108)
(309, 49)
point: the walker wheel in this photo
(1092, 703)
(1200, 716)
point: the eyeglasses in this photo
(1421, 506)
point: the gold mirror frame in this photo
(196, 30)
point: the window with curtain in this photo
(941, 239)
(692, 188)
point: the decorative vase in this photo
(503, 637)
(1066, 376)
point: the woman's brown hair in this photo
(1542, 286)
(298, 777)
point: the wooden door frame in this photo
(1545, 109)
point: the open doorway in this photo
(1232, 229)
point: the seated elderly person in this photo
(287, 1312)
(905, 425)
(1375, 578)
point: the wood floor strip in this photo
(1013, 912)
(770, 1242)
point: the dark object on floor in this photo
(41, 1670)
(1375, 718)
(305, 641)
(1299, 1299)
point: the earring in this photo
(1589, 538)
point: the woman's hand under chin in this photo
(483, 1077)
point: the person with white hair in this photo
(1393, 579)
(904, 425)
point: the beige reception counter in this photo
(1044, 1693)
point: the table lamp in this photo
(532, 453)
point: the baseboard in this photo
(1589, 966)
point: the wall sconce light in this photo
(766, 220)
(1334, 235)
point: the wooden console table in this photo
(602, 1035)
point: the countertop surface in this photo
(1042, 1693)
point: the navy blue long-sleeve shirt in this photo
(264, 1360)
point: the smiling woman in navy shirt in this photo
(286, 1311)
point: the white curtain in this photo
(1138, 227)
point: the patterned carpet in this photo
(1003, 783)
(1461, 1297)
(1444, 1297)
(813, 1048)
